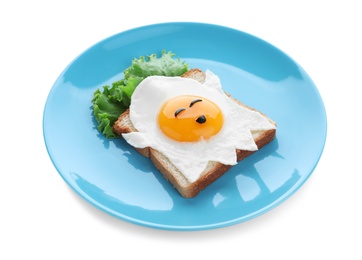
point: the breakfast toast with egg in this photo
(213, 170)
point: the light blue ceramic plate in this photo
(110, 175)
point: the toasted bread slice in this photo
(213, 170)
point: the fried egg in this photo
(191, 123)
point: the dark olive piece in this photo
(178, 111)
(194, 101)
(201, 119)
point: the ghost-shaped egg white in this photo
(191, 123)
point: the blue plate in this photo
(112, 176)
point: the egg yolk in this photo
(190, 118)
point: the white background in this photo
(42, 218)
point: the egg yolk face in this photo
(190, 118)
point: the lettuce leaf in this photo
(112, 101)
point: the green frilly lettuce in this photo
(112, 101)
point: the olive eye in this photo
(178, 111)
(194, 101)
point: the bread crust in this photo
(213, 171)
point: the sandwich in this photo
(181, 119)
(191, 130)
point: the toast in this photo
(213, 170)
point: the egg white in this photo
(191, 158)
